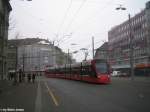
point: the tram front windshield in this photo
(102, 67)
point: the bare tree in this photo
(12, 22)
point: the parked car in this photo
(116, 73)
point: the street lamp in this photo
(130, 43)
(26, 0)
(120, 8)
(75, 52)
(73, 44)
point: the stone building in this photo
(119, 41)
(5, 8)
(11, 57)
(102, 52)
(35, 57)
(33, 54)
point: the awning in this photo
(120, 66)
(143, 65)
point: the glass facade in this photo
(119, 38)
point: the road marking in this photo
(38, 103)
(52, 95)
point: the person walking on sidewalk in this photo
(15, 78)
(23, 77)
(20, 75)
(29, 77)
(33, 77)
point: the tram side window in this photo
(53, 71)
(86, 70)
(56, 71)
(63, 70)
(92, 72)
(50, 71)
(70, 70)
(59, 71)
(67, 71)
(78, 70)
(83, 71)
(75, 70)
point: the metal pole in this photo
(23, 62)
(93, 47)
(16, 64)
(53, 53)
(16, 58)
(131, 50)
(68, 57)
(2, 75)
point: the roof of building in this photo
(104, 46)
(127, 21)
(27, 41)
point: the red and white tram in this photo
(93, 71)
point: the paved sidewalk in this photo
(20, 96)
(4, 85)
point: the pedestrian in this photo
(15, 78)
(23, 77)
(9, 76)
(20, 75)
(29, 77)
(33, 77)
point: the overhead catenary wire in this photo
(62, 23)
(88, 48)
(75, 15)
(65, 15)
(89, 19)
(104, 7)
(73, 18)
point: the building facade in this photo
(5, 8)
(33, 54)
(102, 52)
(11, 57)
(34, 57)
(119, 41)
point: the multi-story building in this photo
(102, 52)
(5, 8)
(61, 57)
(11, 57)
(35, 57)
(33, 54)
(136, 29)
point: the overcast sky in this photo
(70, 21)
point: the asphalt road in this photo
(122, 95)
(59, 95)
